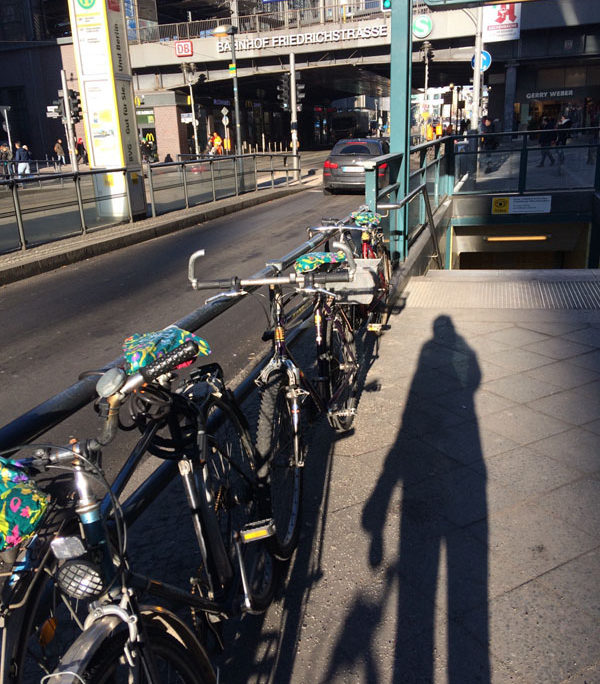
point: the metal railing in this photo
(58, 408)
(39, 209)
(281, 18)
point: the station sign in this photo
(422, 26)
(184, 48)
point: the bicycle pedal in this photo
(262, 529)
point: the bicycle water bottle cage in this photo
(314, 260)
(366, 218)
(22, 505)
(140, 350)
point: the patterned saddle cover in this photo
(366, 218)
(140, 350)
(22, 505)
(313, 260)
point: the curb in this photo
(48, 257)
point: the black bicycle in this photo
(195, 425)
(285, 387)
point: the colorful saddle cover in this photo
(22, 505)
(312, 260)
(366, 218)
(140, 350)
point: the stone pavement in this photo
(454, 534)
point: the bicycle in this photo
(283, 384)
(200, 429)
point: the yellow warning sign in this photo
(500, 205)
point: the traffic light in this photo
(300, 94)
(386, 5)
(283, 91)
(75, 106)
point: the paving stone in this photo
(520, 388)
(574, 406)
(564, 374)
(468, 442)
(576, 448)
(463, 402)
(577, 503)
(518, 360)
(591, 360)
(523, 425)
(516, 336)
(540, 636)
(558, 348)
(590, 334)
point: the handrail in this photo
(58, 408)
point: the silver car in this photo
(344, 167)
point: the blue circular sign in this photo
(486, 60)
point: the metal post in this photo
(523, 165)
(128, 196)
(401, 66)
(76, 178)
(185, 187)
(68, 122)
(152, 204)
(5, 110)
(212, 177)
(294, 115)
(18, 215)
(477, 68)
(188, 74)
(256, 172)
(236, 101)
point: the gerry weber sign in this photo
(314, 38)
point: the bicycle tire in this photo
(343, 370)
(175, 662)
(231, 468)
(385, 275)
(275, 445)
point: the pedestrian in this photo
(81, 151)
(547, 138)
(217, 143)
(564, 123)
(488, 142)
(59, 152)
(22, 157)
(6, 156)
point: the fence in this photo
(46, 207)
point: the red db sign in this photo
(184, 48)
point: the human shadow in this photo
(436, 467)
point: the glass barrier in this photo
(167, 185)
(225, 181)
(101, 204)
(9, 232)
(199, 182)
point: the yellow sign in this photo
(425, 115)
(500, 205)
(150, 137)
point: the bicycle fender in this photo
(76, 660)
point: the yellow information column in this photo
(107, 99)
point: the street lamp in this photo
(189, 71)
(229, 30)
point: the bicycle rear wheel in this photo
(343, 371)
(275, 444)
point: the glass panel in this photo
(551, 78)
(9, 232)
(50, 210)
(575, 76)
(224, 178)
(102, 206)
(414, 212)
(199, 182)
(567, 167)
(168, 188)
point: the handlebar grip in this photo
(226, 284)
(342, 276)
(186, 352)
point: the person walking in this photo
(22, 157)
(6, 156)
(547, 137)
(564, 123)
(59, 152)
(81, 151)
(488, 142)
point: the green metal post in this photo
(401, 70)
(523, 165)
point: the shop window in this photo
(593, 75)
(574, 77)
(550, 78)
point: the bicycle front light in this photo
(77, 576)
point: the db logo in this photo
(184, 48)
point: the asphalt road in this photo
(58, 324)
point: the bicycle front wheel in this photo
(275, 443)
(343, 371)
(161, 659)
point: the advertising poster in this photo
(501, 22)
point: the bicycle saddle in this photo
(313, 260)
(366, 218)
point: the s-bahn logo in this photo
(86, 4)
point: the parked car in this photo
(344, 167)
